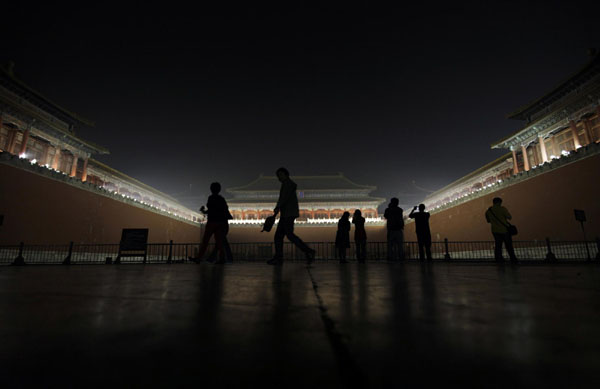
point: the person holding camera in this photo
(422, 228)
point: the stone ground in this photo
(330, 325)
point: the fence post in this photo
(19, 260)
(598, 248)
(549, 256)
(170, 257)
(67, 260)
(447, 255)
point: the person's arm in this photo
(412, 213)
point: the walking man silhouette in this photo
(395, 230)
(498, 216)
(216, 224)
(287, 207)
(423, 232)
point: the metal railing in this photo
(261, 251)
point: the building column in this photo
(84, 174)
(587, 132)
(56, 158)
(543, 149)
(515, 165)
(12, 139)
(24, 143)
(575, 136)
(73, 167)
(243, 215)
(525, 158)
(312, 213)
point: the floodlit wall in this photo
(39, 209)
(244, 234)
(541, 206)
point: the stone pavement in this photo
(330, 325)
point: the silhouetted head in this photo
(357, 213)
(282, 174)
(215, 188)
(394, 202)
(497, 201)
(346, 215)
(421, 207)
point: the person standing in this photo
(360, 236)
(342, 237)
(498, 216)
(395, 230)
(287, 207)
(423, 232)
(217, 223)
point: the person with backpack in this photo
(498, 217)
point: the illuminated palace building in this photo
(560, 128)
(38, 135)
(322, 199)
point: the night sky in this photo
(407, 99)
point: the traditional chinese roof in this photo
(305, 183)
(70, 120)
(571, 99)
(574, 81)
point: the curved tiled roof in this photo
(305, 183)
(591, 68)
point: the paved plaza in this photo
(328, 325)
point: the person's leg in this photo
(498, 239)
(219, 238)
(390, 246)
(509, 246)
(209, 230)
(227, 247)
(289, 232)
(421, 244)
(428, 249)
(279, 234)
(401, 245)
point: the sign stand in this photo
(134, 243)
(580, 217)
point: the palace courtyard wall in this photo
(541, 206)
(42, 210)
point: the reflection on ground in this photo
(328, 325)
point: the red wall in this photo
(38, 209)
(541, 207)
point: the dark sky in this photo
(389, 96)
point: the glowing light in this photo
(33, 161)
(23, 155)
(565, 153)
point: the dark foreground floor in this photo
(252, 325)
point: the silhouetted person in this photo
(498, 216)
(228, 254)
(395, 230)
(287, 207)
(342, 237)
(216, 224)
(360, 236)
(422, 228)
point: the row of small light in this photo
(114, 192)
(564, 153)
